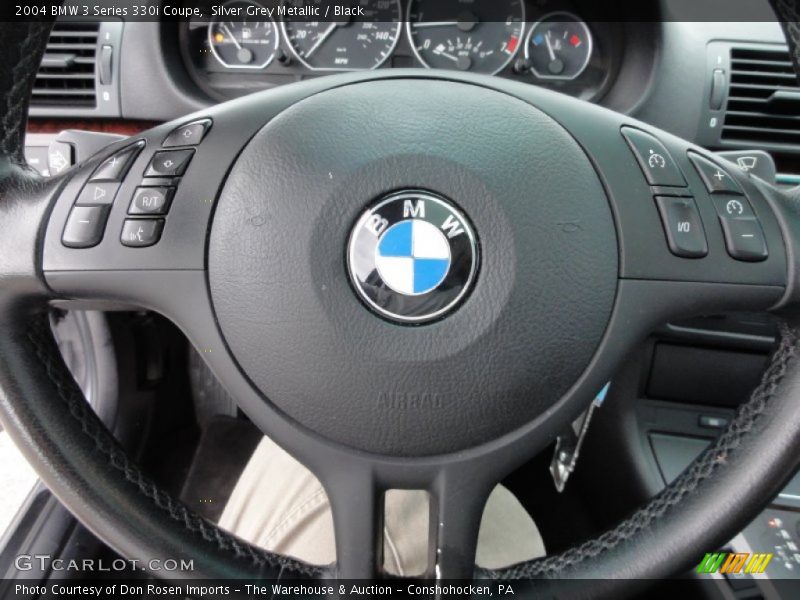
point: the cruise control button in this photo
(190, 134)
(744, 239)
(94, 194)
(116, 166)
(715, 178)
(732, 207)
(150, 201)
(140, 233)
(170, 163)
(658, 166)
(85, 226)
(682, 226)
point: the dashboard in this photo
(546, 43)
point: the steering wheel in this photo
(409, 280)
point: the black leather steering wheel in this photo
(251, 264)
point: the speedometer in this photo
(468, 35)
(355, 44)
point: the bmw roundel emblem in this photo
(412, 257)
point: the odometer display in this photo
(467, 35)
(355, 44)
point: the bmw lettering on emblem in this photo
(412, 257)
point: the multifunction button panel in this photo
(86, 223)
(150, 202)
(744, 237)
(677, 206)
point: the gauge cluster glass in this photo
(559, 46)
(466, 35)
(542, 42)
(349, 44)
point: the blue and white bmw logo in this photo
(412, 257)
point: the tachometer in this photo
(559, 46)
(243, 43)
(468, 35)
(359, 43)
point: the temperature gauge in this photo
(559, 46)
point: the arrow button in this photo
(169, 163)
(188, 135)
(97, 194)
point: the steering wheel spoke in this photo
(358, 497)
(357, 521)
(139, 211)
(137, 214)
(457, 504)
(688, 218)
(24, 201)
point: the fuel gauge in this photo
(246, 43)
(559, 46)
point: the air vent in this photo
(763, 98)
(66, 77)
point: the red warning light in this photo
(512, 45)
(575, 40)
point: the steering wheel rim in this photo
(62, 438)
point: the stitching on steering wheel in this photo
(41, 338)
(552, 567)
(700, 470)
(789, 16)
(28, 56)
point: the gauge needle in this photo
(549, 46)
(230, 35)
(446, 55)
(324, 36)
(434, 24)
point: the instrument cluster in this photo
(543, 42)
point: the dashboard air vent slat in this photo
(763, 98)
(66, 77)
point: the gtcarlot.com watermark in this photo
(44, 562)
